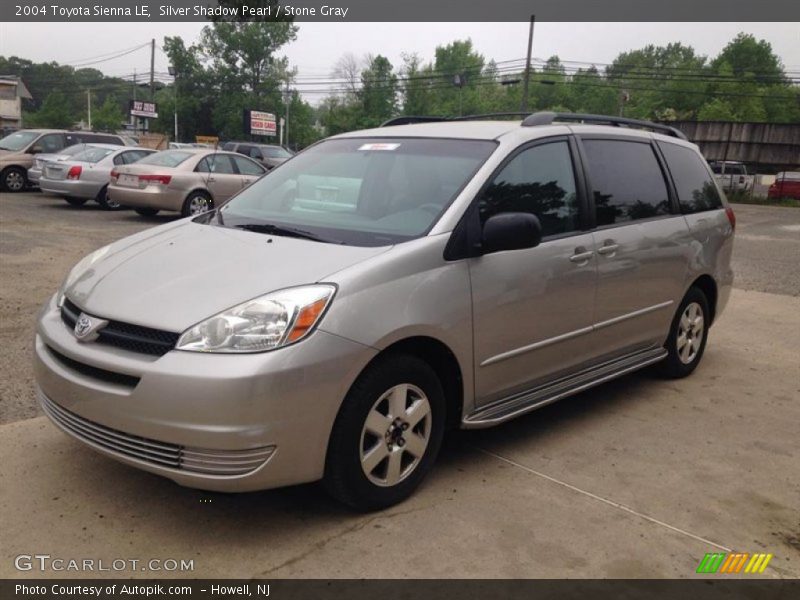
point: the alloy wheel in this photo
(14, 181)
(395, 435)
(691, 330)
(198, 204)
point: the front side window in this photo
(627, 181)
(248, 167)
(540, 181)
(52, 142)
(695, 187)
(361, 191)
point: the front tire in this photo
(387, 435)
(687, 336)
(14, 180)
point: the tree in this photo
(378, 93)
(109, 116)
(716, 110)
(55, 113)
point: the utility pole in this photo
(288, 100)
(174, 72)
(89, 107)
(152, 69)
(524, 107)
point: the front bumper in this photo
(191, 416)
(74, 188)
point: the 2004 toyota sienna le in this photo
(335, 317)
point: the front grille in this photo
(94, 372)
(136, 338)
(172, 456)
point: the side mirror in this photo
(36, 149)
(511, 231)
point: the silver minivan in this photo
(333, 319)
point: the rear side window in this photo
(540, 181)
(695, 187)
(627, 181)
(247, 166)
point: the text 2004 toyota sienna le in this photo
(335, 317)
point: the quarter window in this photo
(627, 181)
(540, 181)
(695, 187)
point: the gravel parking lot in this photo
(637, 478)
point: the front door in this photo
(533, 308)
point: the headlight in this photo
(265, 323)
(78, 270)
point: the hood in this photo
(187, 272)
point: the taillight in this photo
(741, 179)
(114, 174)
(731, 217)
(161, 179)
(74, 172)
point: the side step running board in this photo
(514, 406)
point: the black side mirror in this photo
(36, 149)
(511, 231)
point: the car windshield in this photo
(365, 192)
(18, 140)
(275, 152)
(167, 158)
(92, 154)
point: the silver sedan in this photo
(85, 176)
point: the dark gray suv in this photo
(268, 155)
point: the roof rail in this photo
(547, 117)
(409, 120)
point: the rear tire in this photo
(75, 201)
(387, 434)
(103, 200)
(146, 212)
(197, 203)
(688, 335)
(14, 180)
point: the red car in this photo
(787, 185)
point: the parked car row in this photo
(19, 150)
(113, 171)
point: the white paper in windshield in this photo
(383, 147)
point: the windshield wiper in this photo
(285, 231)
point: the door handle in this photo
(608, 248)
(581, 255)
(211, 179)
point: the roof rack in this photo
(547, 117)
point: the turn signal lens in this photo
(306, 318)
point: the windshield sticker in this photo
(383, 147)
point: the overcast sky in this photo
(318, 45)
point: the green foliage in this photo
(55, 113)
(108, 117)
